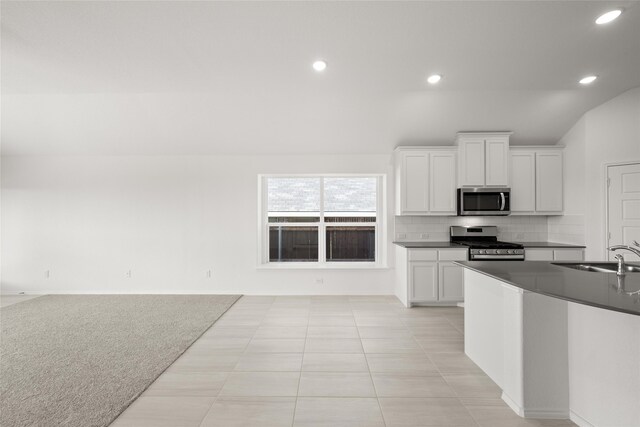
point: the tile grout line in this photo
(230, 373)
(215, 399)
(304, 348)
(368, 368)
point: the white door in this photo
(442, 182)
(497, 162)
(523, 181)
(472, 162)
(624, 206)
(415, 180)
(423, 281)
(549, 181)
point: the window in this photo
(321, 220)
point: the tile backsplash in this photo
(511, 228)
(567, 229)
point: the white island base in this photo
(552, 358)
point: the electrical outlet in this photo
(129, 274)
(402, 235)
(47, 274)
(209, 274)
(424, 235)
(519, 236)
(320, 280)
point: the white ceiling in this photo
(236, 78)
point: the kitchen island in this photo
(561, 343)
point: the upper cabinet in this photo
(483, 159)
(549, 181)
(523, 180)
(536, 180)
(425, 181)
(426, 178)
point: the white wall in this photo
(607, 134)
(574, 168)
(88, 220)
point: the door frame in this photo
(606, 199)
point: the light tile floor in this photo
(326, 361)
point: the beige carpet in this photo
(80, 360)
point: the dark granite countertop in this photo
(600, 290)
(427, 245)
(436, 245)
(549, 245)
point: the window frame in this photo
(380, 226)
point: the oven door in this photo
(483, 201)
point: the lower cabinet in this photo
(550, 254)
(423, 279)
(433, 277)
(450, 282)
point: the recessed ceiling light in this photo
(587, 80)
(320, 65)
(608, 17)
(434, 78)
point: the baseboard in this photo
(512, 404)
(548, 414)
(541, 413)
(577, 419)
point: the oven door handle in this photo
(515, 257)
(503, 201)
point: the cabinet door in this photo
(568, 254)
(450, 282)
(523, 181)
(549, 181)
(415, 183)
(442, 182)
(538, 254)
(497, 162)
(471, 162)
(423, 281)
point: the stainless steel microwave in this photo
(484, 201)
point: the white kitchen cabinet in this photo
(549, 181)
(472, 161)
(450, 282)
(423, 277)
(433, 277)
(536, 181)
(553, 254)
(568, 254)
(415, 182)
(536, 254)
(442, 182)
(523, 181)
(497, 161)
(425, 181)
(483, 159)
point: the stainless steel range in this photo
(484, 245)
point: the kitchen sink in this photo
(599, 267)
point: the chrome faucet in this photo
(620, 258)
(621, 265)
